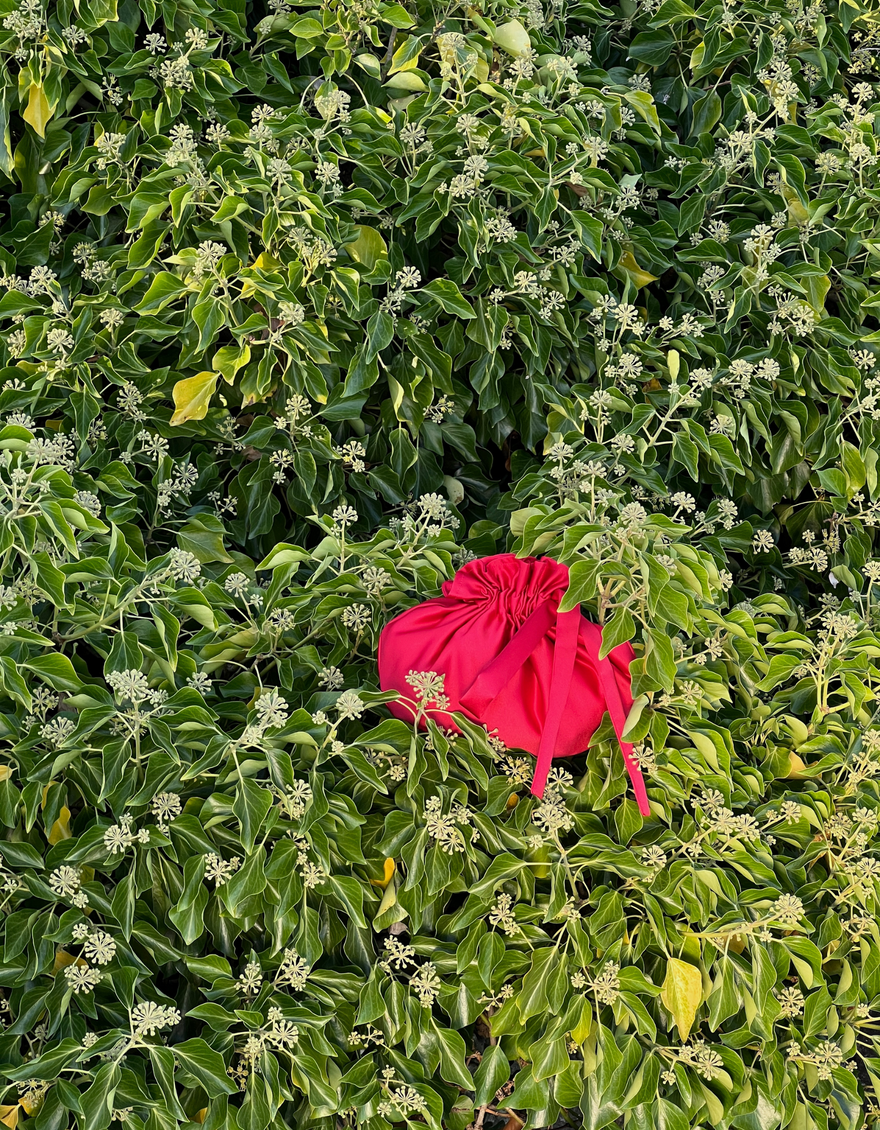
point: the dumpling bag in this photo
(513, 662)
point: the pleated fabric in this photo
(513, 662)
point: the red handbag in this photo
(513, 662)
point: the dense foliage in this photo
(304, 307)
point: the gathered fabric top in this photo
(513, 662)
(519, 584)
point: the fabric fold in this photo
(514, 663)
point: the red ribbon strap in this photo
(614, 703)
(497, 674)
(564, 656)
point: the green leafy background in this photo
(303, 308)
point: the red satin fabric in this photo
(513, 662)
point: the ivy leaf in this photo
(493, 1072)
(203, 537)
(189, 913)
(252, 805)
(228, 360)
(513, 38)
(628, 268)
(38, 112)
(682, 993)
(449, 297)
(205, 1065)
(369, 247)
(192, 397)
(97, 1102)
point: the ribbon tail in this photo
(614, 704)
(564, 656)
(495, 676)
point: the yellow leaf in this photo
(796, 765)
(643, 104)
(454, 490)
(582, 1029)
(796, 210)
(230, 358)
(63, 959)
(37, 112)
(266, 262)
(633, 271)
(513, 38)
(368, 248)
(681, 994)
(407, 80)
(201, 1115)
(30, 1104)
(390, 868)
(9, 1116)
(5, 772)
(60, 830)
(192, 396)
(714, 1105)
(389, 899)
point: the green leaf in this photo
(13, 683)
(449, 298)
(493, 1072)
(396, 15)
(619, 629)
(97, 1101)
(250, 880)
(251, 806)
(659, 659)
(452, 1057)
(20, 855)
(652, 47)
(203, 537)
(539, 984)
(209, 315)
(57, 671)
(529, 1093)
(162, 291)
(162, 1060)
(590, 229)
(49, 1063)
(205, 1065)
(229, 359)
(255, 1112)
(188, 915)
(643, 103)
